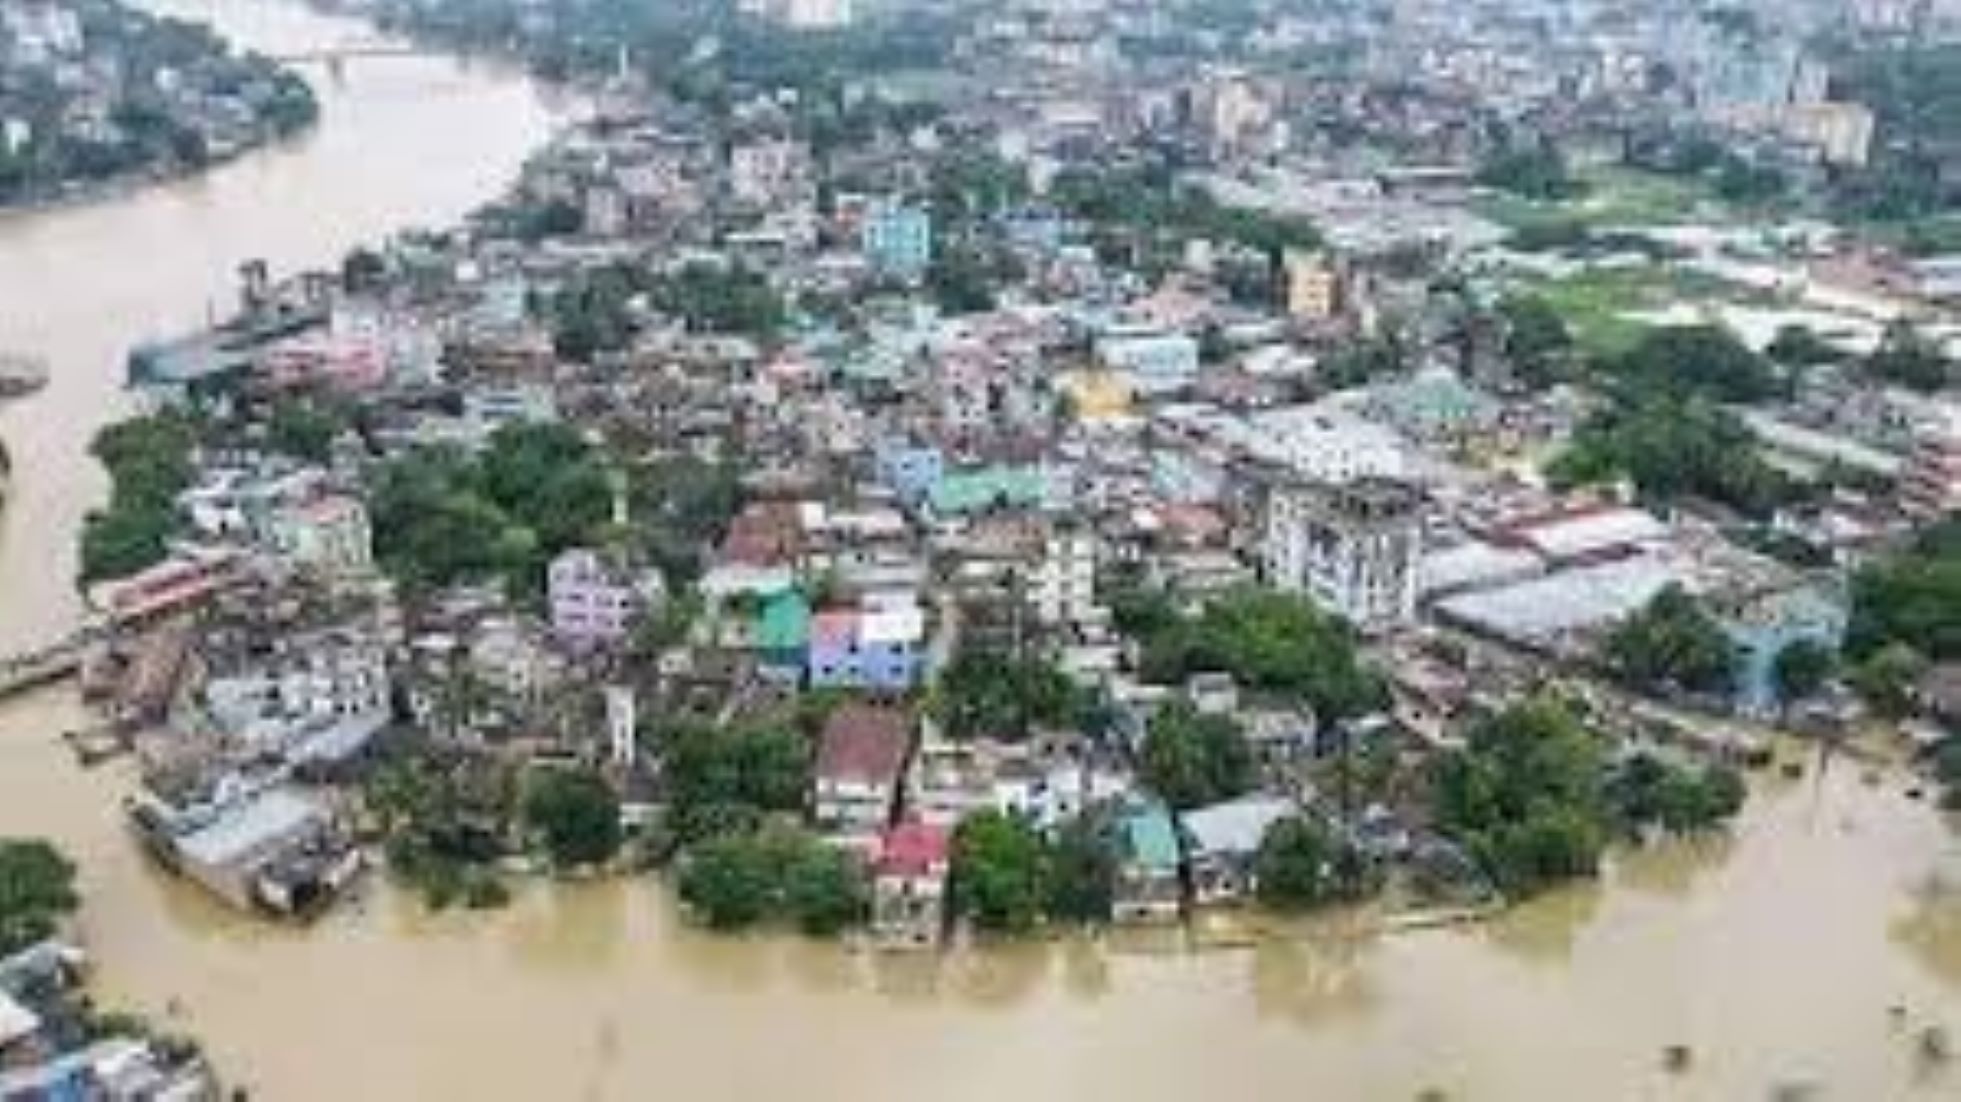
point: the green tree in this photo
(1802, 668)
(1525, 797)
(1535, 171)
(1083, 872)
(37, 889)
(777, 873)
(825, 890)
(1271, 641)
(1191, 759)
(1705, 360)
(1000, 872)
(1907, 357)
(304, 428)
(576, 815)
(1885, 679)
(1537, 341)
(1672, 644)
(1645, 790)
(727, 881)
(1296, 866)
(994, 695)
(722, 777)
(1912, 598)
(1798, 346)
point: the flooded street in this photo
(1775, 953)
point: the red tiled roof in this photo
(864, 742)
(912, 849)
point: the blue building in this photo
(912, 471)
(897, 239)
(876, 649)
(1763, 624)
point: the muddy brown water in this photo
(1776, 954)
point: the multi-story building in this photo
(861, 757)
(909, 879)
(1932, 485)
(328, 534)
(1352, 547)
(897, 238)
(1313, 285)
(593, 603)
(1151, 360)
(876, 647)
(1064, 582)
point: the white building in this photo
(328, 534)
(1354, 548)
(1064, 583)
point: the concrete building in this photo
(1353, 548)
(897, 239)
(1149, 887)
(909, 881)
(1063, 586)
(876, 647)
(1312, 285)
(329, 535)
(1150, 360)
(1932, 485)
(1221, 841)
(593, 603)
(861, 757)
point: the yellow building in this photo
(1097, 395)
(1313, 286)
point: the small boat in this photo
(21, 375)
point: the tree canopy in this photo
(1001, 872)
(1912, 598)
(1672, 644)
(575, 814)
(1191, 759)
(1270, 641)
(995, 695)
(149, 460)
(441, 516)
(37, 889)
(1672, 450)
(774, 874)
(1525, 797)
(1300, 865)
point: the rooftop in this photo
(864, 742)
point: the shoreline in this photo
(129, 184)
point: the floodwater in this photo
(1778, 954)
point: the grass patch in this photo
(1597, 304)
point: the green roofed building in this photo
(968, 493)
(1149, 888)
(783, 630)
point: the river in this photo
(1776, 953)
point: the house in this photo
(909, 884)
(1222, 841)
(876, 646)
(861, 755)
(328, 534)
(1151, 361)
(1761, 624)
(276, 848)
(897, 239)
(1353, 548)
(1149, 888)
(782, 633)
(593, 603)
